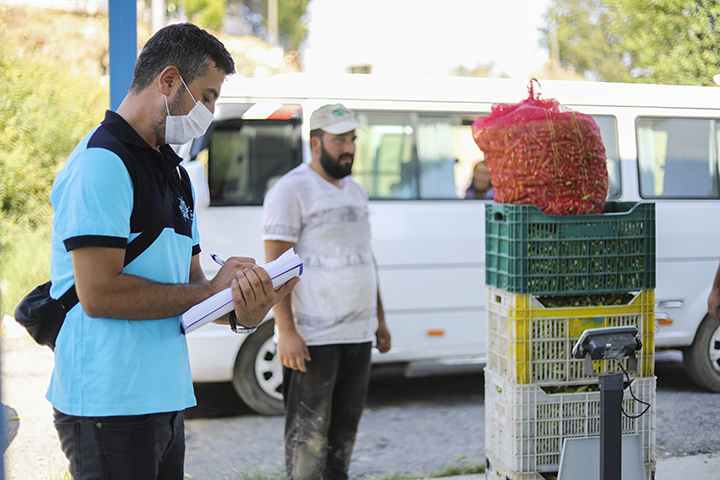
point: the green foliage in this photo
(292, 28)
(206, 13)
(670, 41)
(63, 474)
(451, 471)
(255, 475)
(44, 112)
(456, 470)
(25, 262)
(649, 41)
(585, 39)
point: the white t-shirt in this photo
(336, 299)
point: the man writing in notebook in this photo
(326, 330)
(122, 376)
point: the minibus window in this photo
(436, 157)
(608, 131)
(384, 162)
(677, 157)
(404, 155)
(245, 159)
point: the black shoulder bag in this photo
(43, 316)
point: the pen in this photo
(217, 259)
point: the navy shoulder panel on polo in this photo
(149, 169)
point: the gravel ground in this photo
(687, 417)
(411, 426)
(34, 452)
(407, 427)
(416, 426)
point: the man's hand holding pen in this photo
(251, 287)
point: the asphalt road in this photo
(416, 425)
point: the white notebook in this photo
(281, 270)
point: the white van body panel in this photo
(419, 288)
(687, 259)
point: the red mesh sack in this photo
(541, 153)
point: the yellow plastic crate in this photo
(531, 344)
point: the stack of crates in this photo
(549, 278)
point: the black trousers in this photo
(323, 409)
(133, 447)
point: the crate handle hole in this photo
(498, 217)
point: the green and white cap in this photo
(333, 119)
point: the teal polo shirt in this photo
(109, 190)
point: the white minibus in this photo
(414, 155)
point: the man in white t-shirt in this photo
(325, 332)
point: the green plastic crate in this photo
(527, 251)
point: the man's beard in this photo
(175, 105)
(333, 167)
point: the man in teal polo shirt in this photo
(122, 376)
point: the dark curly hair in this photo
(185, 46)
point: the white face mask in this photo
(183, 128)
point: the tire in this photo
(702, 359)
(257, 377)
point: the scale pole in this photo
(611, 392)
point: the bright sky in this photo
(425, 36)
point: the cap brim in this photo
(342, 127)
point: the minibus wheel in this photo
(257, 376)
(702, 359)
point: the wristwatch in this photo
(237, 328)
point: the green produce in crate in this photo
(595, 300)
(530, 252)
(571, 389)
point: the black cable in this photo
(632, 395)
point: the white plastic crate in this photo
(528, 343)
(495, 470)
(525, 427)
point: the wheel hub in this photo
(268, 369)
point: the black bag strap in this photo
(69, 299)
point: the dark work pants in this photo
(133, 447)
(323, 408)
